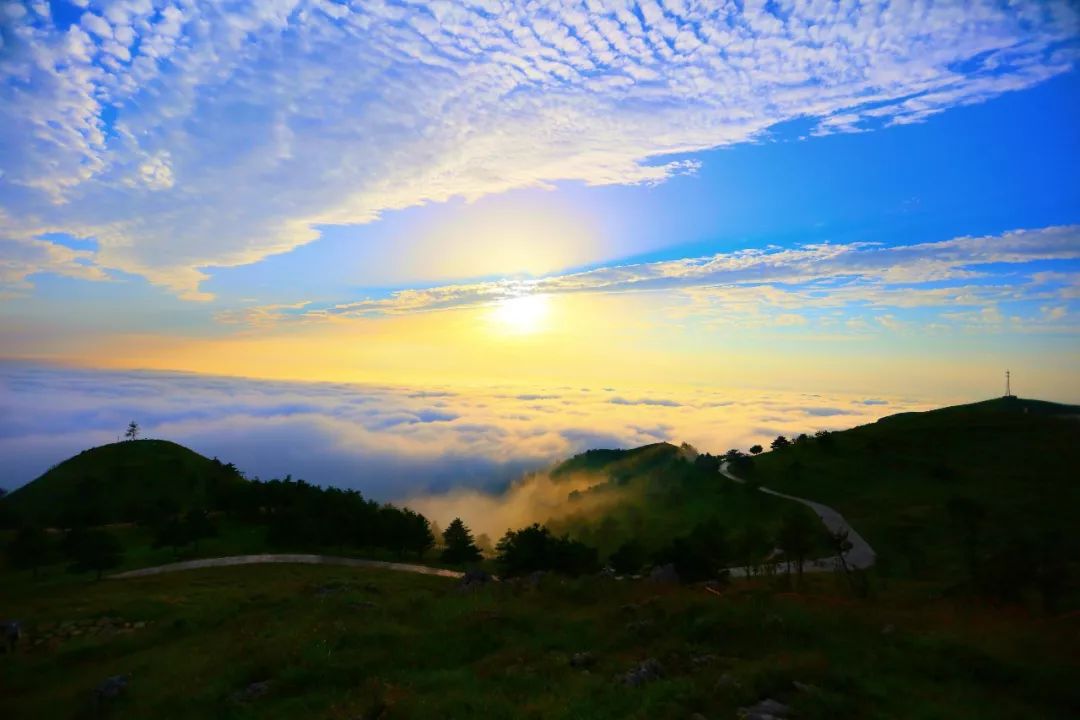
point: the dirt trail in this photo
(284, 558)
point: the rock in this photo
(473, 579)
(254, 691)
(664, 574)
(700, 660)
(139, 625)
(805, 687)
(112, 688)
(363, 604)
(649, 670)
(12, 632)
(582, 660)
(767, 709)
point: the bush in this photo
(628, 559)
(534, 548)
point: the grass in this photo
(893, 479)
(652, 494)
(346, 643)
(119, 481)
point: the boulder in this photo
(474, 579)
(664, 574)
(767, 709)
(647, 671)
(12, 633)
(254, 691)
(112, 688)
(582, 660)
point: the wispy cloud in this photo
(775, 282)
(193, 135)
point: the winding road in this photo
(859, 557)
(284, 558)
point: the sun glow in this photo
(523, 314)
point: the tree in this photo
(841, 545)
(756, 449)
(29, 549)
(628, 559)
(171, 532)
(751, 546)
(418, 536)
(95, 550)
(534, 548)
(198, 525)
(460, 548)
(797, 538)
(699, 555)
(132, 430)
(779, 443)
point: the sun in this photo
(522, 315)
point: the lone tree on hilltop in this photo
(132, 432)
(756, 449)
(460, 547)
(779, 443)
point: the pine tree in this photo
(460, 547)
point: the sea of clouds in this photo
(391, 442)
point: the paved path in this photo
(860, 556)
(285, 558)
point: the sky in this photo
(846, 199)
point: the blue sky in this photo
(185, 184)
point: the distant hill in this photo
(657, 492)
(618, 463)
(120, 482)
(920, 486)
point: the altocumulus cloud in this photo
(390, 442)
(186, 135)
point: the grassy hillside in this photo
(322, 642)
(654, 493)
(921, 486)
(119, 482)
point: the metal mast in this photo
(1008, 390)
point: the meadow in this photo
(321, 642)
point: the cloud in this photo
(644, 401)
(196, 135)
(390, 442)
(775, 285)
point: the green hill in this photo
(120, 482)
(923, 488)
(655, 493)
(618, 463)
